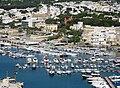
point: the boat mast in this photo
(7, 74)
(15, 72)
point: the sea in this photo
(39, 78)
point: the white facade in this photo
(6, 19)
(77, 26)
(100, 35)
(51, 27)
(54, 11)
(1, 10)
(30, 22)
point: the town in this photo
(86, 22)
(60, 38)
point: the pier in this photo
(109, 82)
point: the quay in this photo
(109, 82)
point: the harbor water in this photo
(40, 78)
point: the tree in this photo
(76, 36)
(54, 37)
(66, 15)
(62, 31)
(0, 20)
(12, 25)
(36, 9)
(75, 39)
(50, 21)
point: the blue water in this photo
(39, 78)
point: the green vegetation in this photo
(76, 36)
(54, 37)
(12, 25)
(17, 4)
(93, 19)
(63, 33)
(100, 20)
(9, 4)
(34, 29)
(88, 18)
(51, 21)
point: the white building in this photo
(51, 27)
(1, 10)
(30, 22)
(6, 19)
(77, 26)
(54, 11)
(100, 35)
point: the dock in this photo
(109, 82)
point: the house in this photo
(40, 25)
(51, 27)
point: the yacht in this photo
(89, 75)
(100, 84)
(115, 78)
(45, 59)
(35, 60)
(94, 78)
(33, 66)
(29, 61)
(51, 73)
(10, 83)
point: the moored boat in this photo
(10, 83)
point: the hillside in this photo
(9, 4)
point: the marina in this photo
(51, 64)
(59, 44)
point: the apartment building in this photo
(100, 36)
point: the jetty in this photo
(109, 82)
